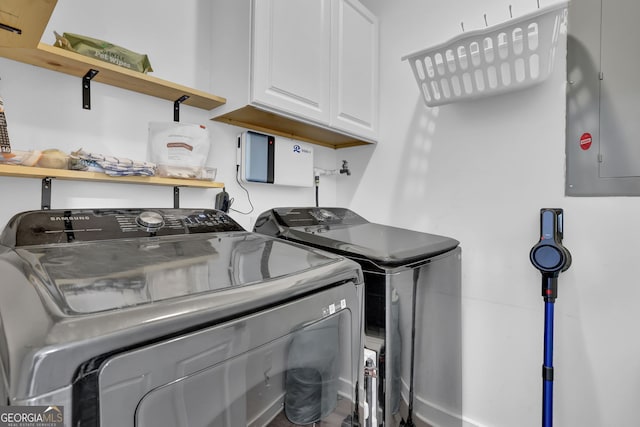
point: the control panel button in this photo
(150, 221)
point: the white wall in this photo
(480, 171)
(44, 110)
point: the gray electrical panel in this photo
(603, 98)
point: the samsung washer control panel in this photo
(80, 225)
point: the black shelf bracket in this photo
(176, 197)
(86, 88)
(46, 194)
(10, 28)
(45, 204)
(176, 107)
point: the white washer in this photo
(174, 317)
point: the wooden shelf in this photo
(265, 121)
(35, 172)
(64, 61)
(30, 19)
(23, 22)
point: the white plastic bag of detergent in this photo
(179, 150)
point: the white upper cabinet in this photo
(354, 82)
(303, 69)
(292, 57)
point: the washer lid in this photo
(98, 276)
(343, 231)
(90, 261)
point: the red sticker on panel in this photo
(585, 141)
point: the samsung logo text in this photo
(69, 218)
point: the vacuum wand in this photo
(551, 258)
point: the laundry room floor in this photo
(335, 419)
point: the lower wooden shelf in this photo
(48, 174)
(35, 172)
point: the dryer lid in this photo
(384, 245)
(343, 231)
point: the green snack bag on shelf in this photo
(103, 51)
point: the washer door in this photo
(301, 356)
(300, 371)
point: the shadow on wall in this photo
(468, 155)
(416, 157)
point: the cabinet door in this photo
(355, 69)
(602, 126)
(292, 57)
(619, 87)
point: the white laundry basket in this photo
(504, 57)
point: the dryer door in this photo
(295, 362)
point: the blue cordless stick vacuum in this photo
(551, 258)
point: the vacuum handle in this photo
(549, 255)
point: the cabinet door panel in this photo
(619, 125)
(355, 73)
(291, 57)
